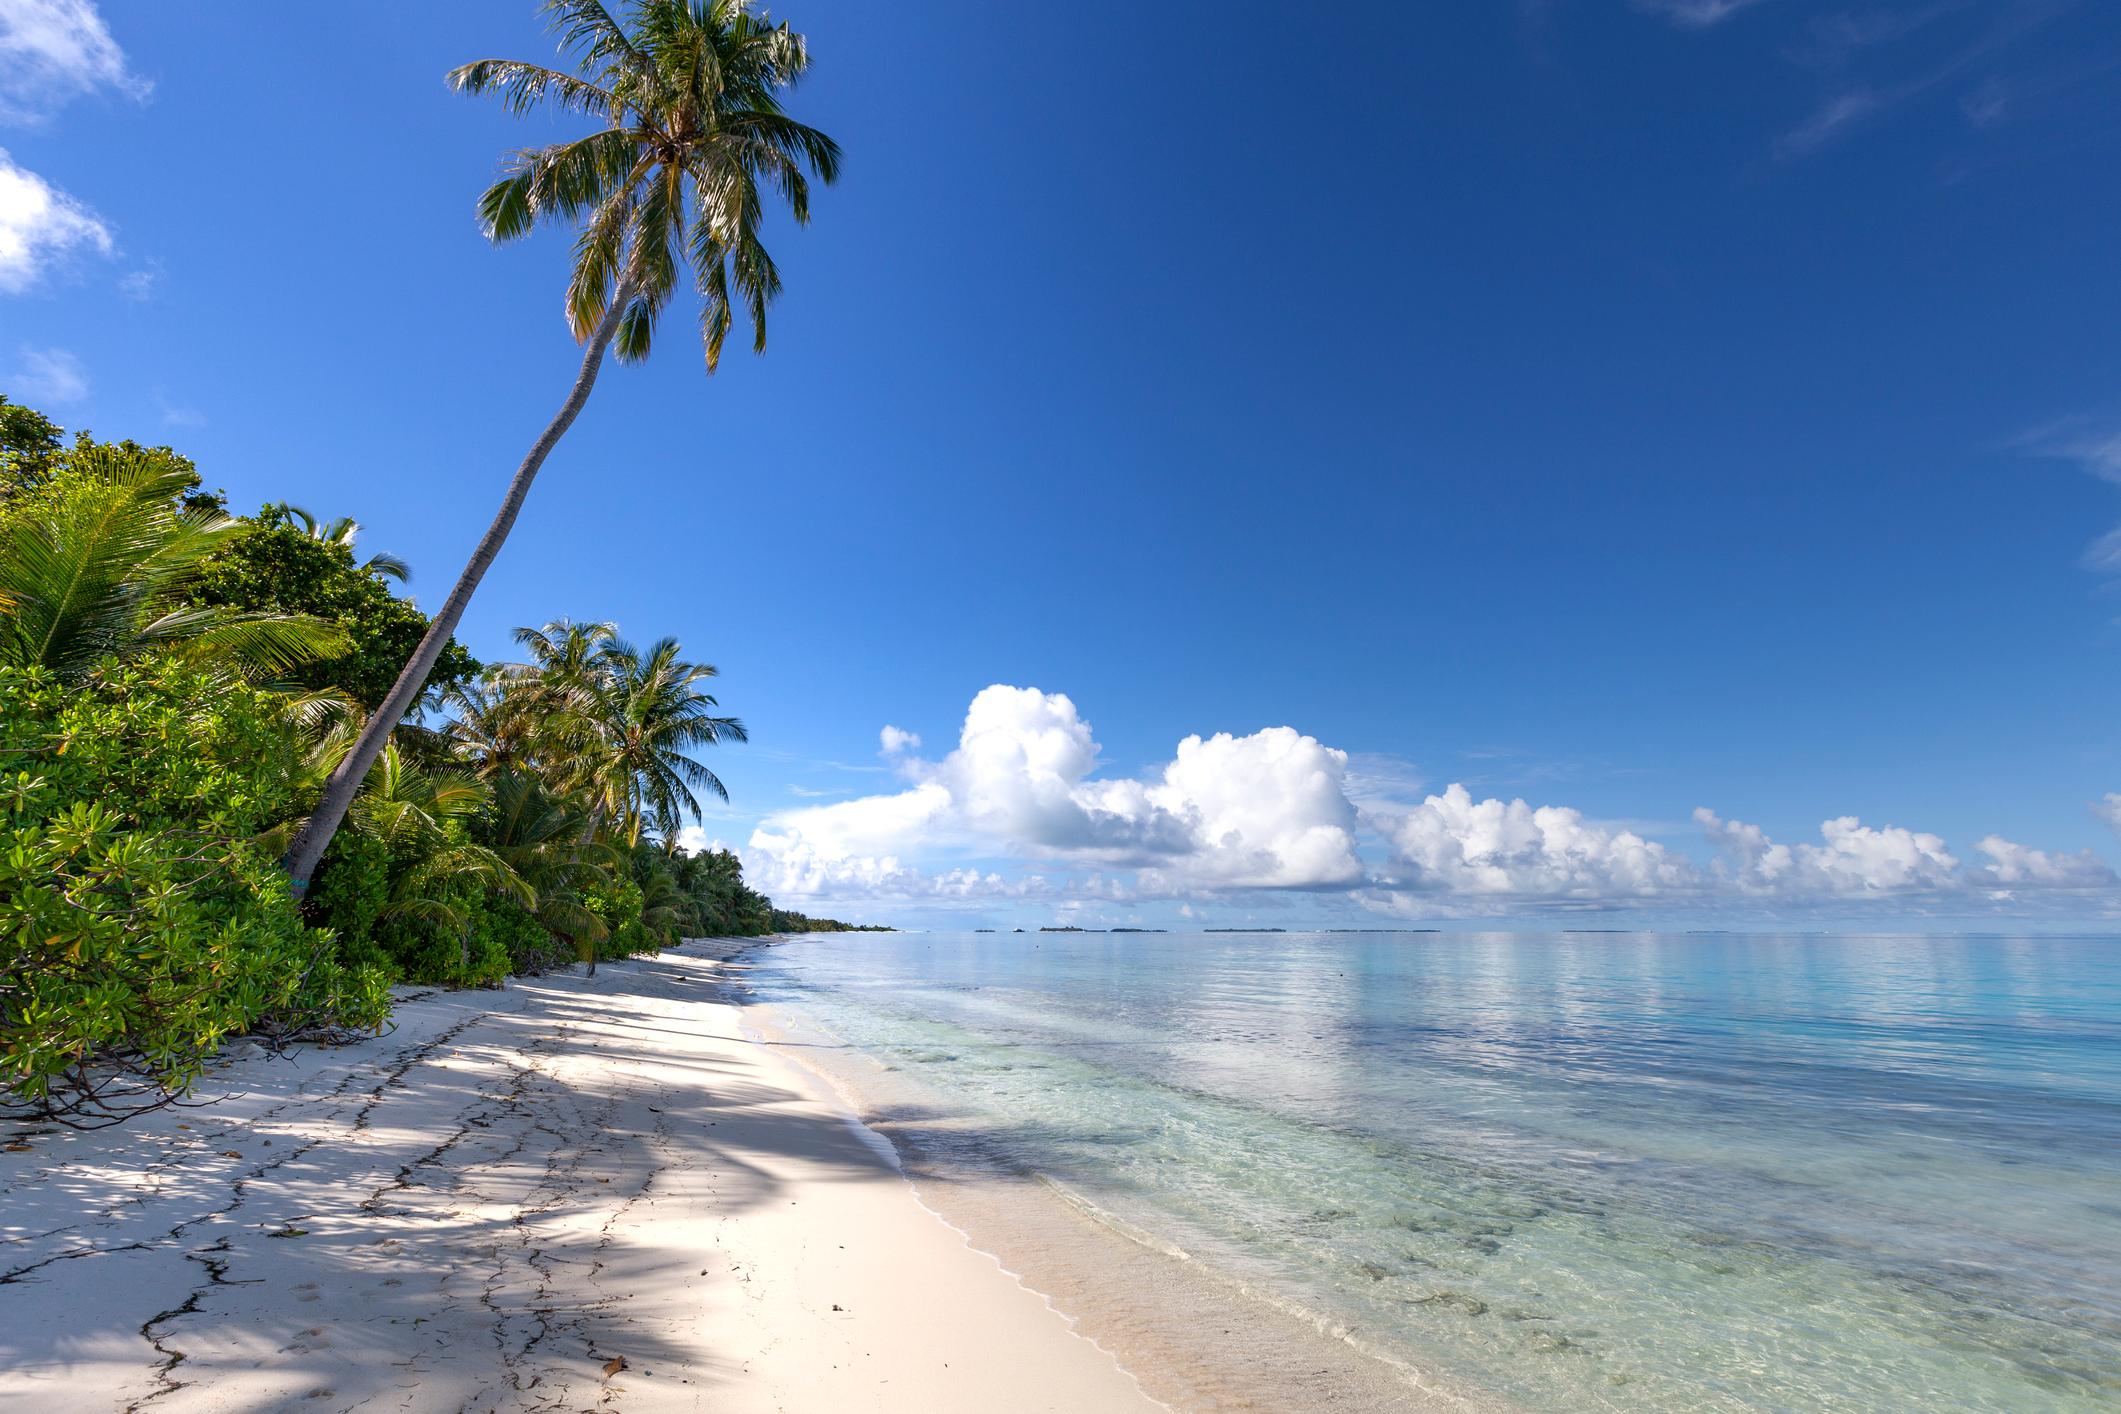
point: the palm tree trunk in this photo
(346, 778)
(589, 834)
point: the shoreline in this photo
(1196, 1336)
(567, 1193)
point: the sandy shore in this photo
(572, 1194)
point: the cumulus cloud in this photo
(53, 51)
(783, 865)
(1454, 844)
(1853, 859)
(40, 226)
(49, 376)
(2013, 866)
(2108, 808)
(1263, 811)
(1276, 811)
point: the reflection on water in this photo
(1638, 1172)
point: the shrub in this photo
(140, 921)
(616, 900)
(451, 945)
(348, 894)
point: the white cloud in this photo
(1268, 810)
(1695, 14)
(141, 284)
(693, 839)
(896, 741)
(2108, 808)
(48, 376)
(783, 865)
(2019, 866)
(178, 414)
(2093, 445)
(1018, 810)
(1379, 780)
(1853, 859)
(870, 826)
(2104, 554)
(1828, 121)
(1454, 844)
(40, 225)
(53, 51)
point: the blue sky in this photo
(1623, 408)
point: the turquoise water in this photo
(1582, 1171)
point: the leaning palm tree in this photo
(688, 93)
(105, 569)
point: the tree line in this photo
(176, 683)
(246, 785)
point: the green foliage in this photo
(99, 560)
(724, 905)
(280, 562)
(464, 947)
(417, 883)
(140, 922)
(348, 896)
(616, 725)
(697, 140)
(148, 785)
(29, 449)
(788, 921)
(616, 901)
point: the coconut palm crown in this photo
(688, 90)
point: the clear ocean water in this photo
(1581, 1171)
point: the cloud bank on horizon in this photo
(1018, 811)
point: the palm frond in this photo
(689, 92)
(522, 87)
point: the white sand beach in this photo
(572, 1194)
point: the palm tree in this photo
(491, 729)
(648, 714)
(689, 97)
(537, 834)
(344, 531)
(105, 568)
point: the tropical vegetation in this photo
(177, 685)
(692, 142)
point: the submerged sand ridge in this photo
(571, 1194)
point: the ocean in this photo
(1578, 1171)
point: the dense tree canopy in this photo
(274, 563)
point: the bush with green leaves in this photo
(142, 921)
(616, 901)
(272, 564)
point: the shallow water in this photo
(1582, 1171)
